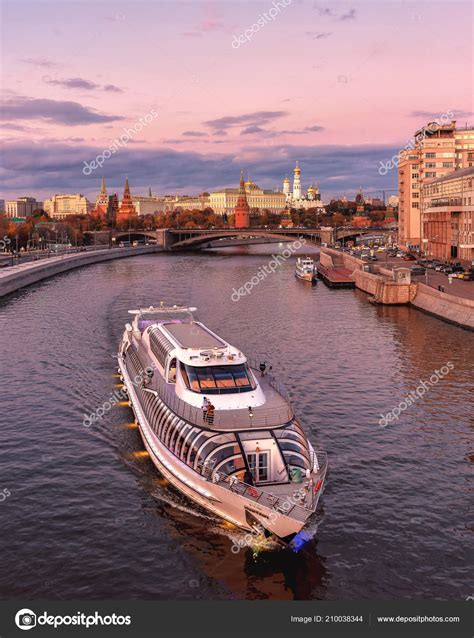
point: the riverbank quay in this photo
(392, 284)
(24, 274)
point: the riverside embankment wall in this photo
(22, 275)
(380, 285)
(457, 310)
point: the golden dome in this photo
(297, 168)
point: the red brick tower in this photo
(102, 201)
(242, 208)
(127, 209)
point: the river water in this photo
(85, 515)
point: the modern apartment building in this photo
(448, 216)
(437, 150)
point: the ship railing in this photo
(298, 505)
(268, 376)
(233, 419)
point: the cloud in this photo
(268, 133)
(336, 14)
(59, 112)
(81, 83)
(42, 62)
(13, 127)
(248, 119)
(318, 35)
(111, 88)
(194, 134)
(253, 129)
(350, 15)
(212, 25)
(42, 170)
(435, 115)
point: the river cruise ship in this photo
(218, 425)
(305, 269)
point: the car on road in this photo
(467, 275)
(417, 270)
(458, 268)
(409, 257)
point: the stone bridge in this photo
(197, 238)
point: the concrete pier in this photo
(384, 289)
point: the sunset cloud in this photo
(60, 112)
(81, 83)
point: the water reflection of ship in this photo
(280, 574)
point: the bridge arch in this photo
(190, 238)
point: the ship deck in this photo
(276, 411)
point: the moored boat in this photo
(305, 269)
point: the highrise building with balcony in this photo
(437, 150)
(448, 216)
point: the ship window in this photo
(292, 433)
(218, 379)
(181, 438)
(172, 371)
(166, 427)
(198, 441)
(220, 454)
(187, 443)
(175, 435)
(293, 460)
(170, 431)
(293, 446)
(206, 450)
(162, 420)
(231, 466)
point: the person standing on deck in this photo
(205, 404)
(210, 413)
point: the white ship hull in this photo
(246, 459)
(218, 500)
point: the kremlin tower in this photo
(127, 209)
(242, 208)
(297, 182)
(102, 201)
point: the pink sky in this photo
(320, 76)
